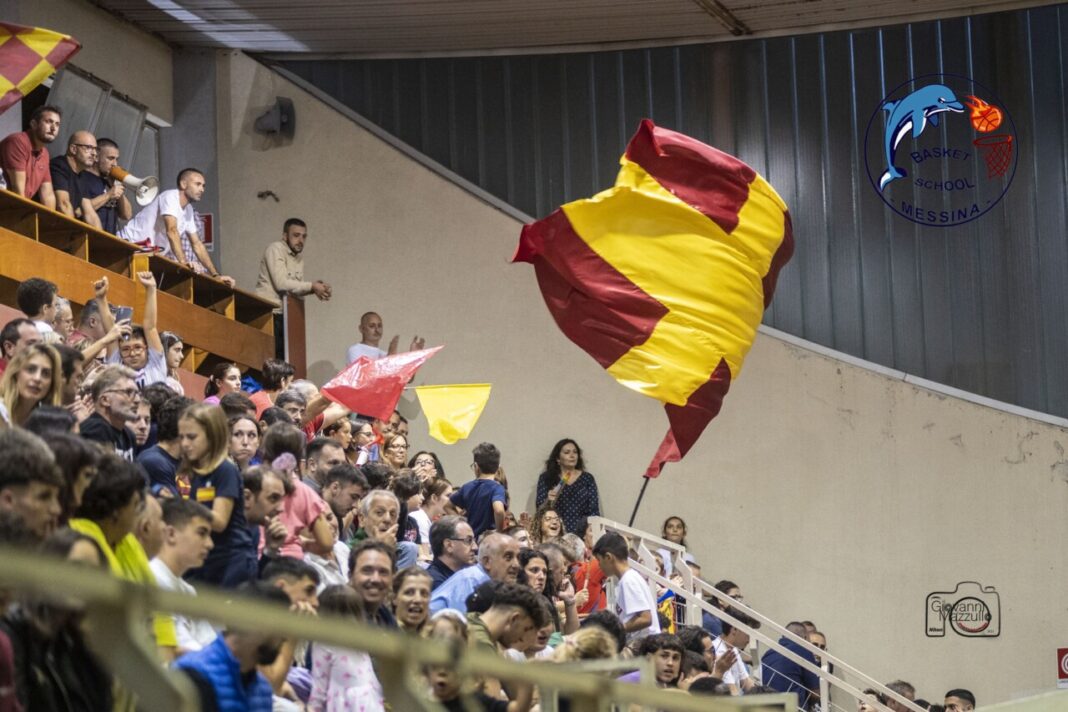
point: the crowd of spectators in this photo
(277, 492)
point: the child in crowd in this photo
(483, 499)
(634, 601)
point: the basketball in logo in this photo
(940, 150)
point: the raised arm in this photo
(148, 322)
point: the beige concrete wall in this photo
(133, 61)
(827, 491)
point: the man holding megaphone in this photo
(106, 194)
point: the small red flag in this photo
(373, 387)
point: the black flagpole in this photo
(636, 504)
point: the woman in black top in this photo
(566, 484)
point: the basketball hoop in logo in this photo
(997, 152)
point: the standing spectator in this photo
(225, 673)
(735, 640)
(186, 544)
(673, 530)
(634, 601)
(484, 498)
(168, 223)
(106, 195)
(498, 560)
(66, 170)
(566, 484)
(371, 337)
(24, 157)
(115, 399)
(16, 335)
(33, 378)
(36, 298)
(276, 377)
(204, 439)
(282, 270)
(343, 680)
(452, 544)
(30, 484)
(225, 378)
(161, 461)
(784, 675)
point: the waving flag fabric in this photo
(373, 387)
(28, 56)
(663, 279)
(452, 411)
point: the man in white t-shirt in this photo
(737, 678)
(186, 543)
(371, 333)
(169, 224)
(635, 605)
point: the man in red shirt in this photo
(24, 157)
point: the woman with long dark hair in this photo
(566, 484)
(225, 378)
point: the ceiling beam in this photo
(725, 17)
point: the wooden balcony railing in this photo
(215, 322)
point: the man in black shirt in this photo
(71, 199)
(452, 542)
(105, 195)
(115, 397)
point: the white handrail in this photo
(695, 602)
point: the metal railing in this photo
(693, 591)
(116, 611)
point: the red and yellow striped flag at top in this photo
(664, 278)
(28, 56)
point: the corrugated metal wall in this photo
(981, 307)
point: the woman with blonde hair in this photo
(34, 377)
(215, 482)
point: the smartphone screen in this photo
(123, 313)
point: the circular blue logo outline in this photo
(1006, 115)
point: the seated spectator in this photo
(343, 679)
(106, 195)
(272, 416)
(149, 527)
(363, 448)
(436, 494)
(298, 580)
(64, 323)
(212, 668)
(674, 530)
(216, 483)
(76, 459)
(340, 431)
(303, 510)
(320, 456)
(238, 403)
(819, 640)
(115, 399)
(483, 499)
(395, 452)
(521, 535)
(344, 486)
(161, 461)
(547, 525)
(959, 700)
(411, 599)
(108, 514)
(225, 378)
(66, 170)
(56, 668)
(426, 465)
(452, 544)
(589, 643)
(784, 675)
(16, 335)
(30, 483)
(141, 427)
(72, 364)
(33, 378)
(865, 704)
(282, 271)
(186, 544)
(409, 492)
(24, 156)
(378, 515)
(608, 622)
(735, 640)
(276, 375)
(333, 566)
(90, 327)
(665, 651)
(244, 441)
(174, 351)
(710, 622)
(511, 621)
(901, 687)
(534, 572)
(498, 560)
(308, 408)
(634, 602)
(371, 569)
(264, 491)
(142, 350)
(36, 298)
(168, 224)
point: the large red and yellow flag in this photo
(664, 278)
(28, 56)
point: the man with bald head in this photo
(371, 337)
(71, 197)
(498, 560)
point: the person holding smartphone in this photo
(140, 347)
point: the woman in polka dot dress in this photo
(566, 484)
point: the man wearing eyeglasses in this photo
(71, 198)
(452, 542)
(142, 350)
(115, 400)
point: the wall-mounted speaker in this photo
(279, 120)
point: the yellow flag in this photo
(452, 411)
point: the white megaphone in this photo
(145, 189)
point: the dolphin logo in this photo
(912, 114)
